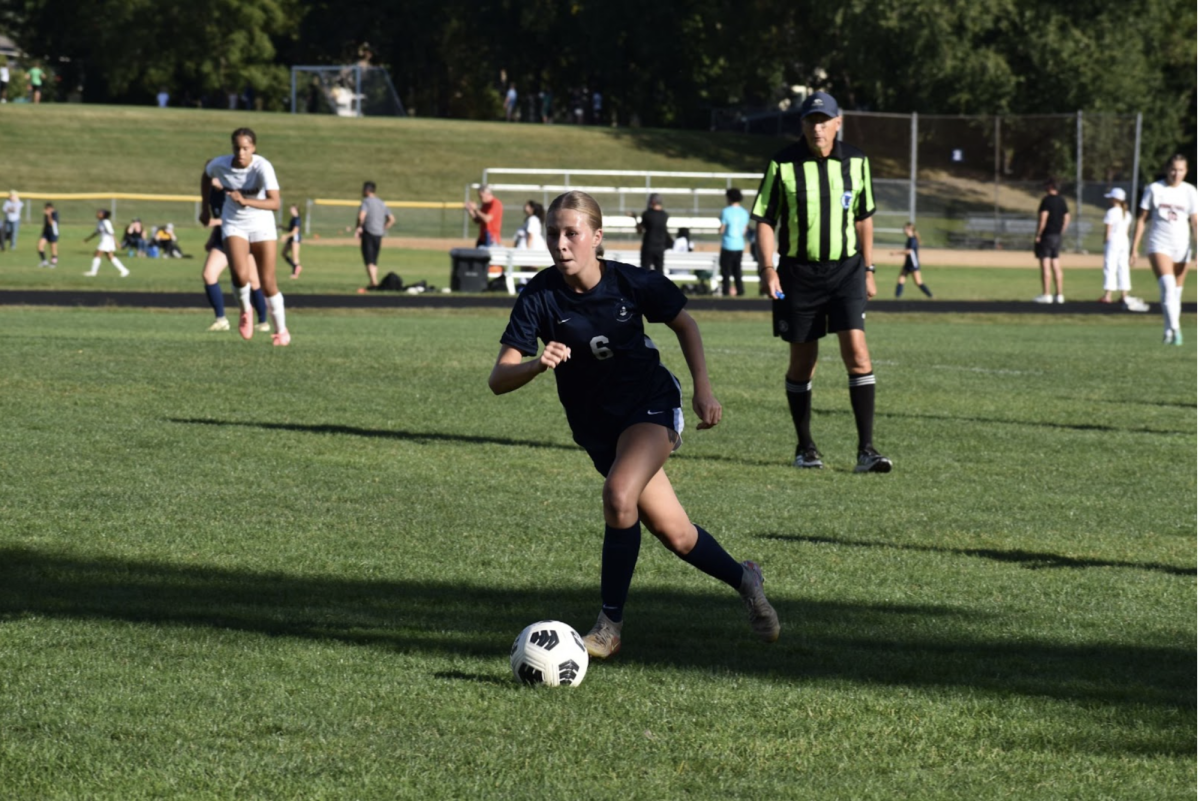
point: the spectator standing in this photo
(510, 103)
(1169, 208)
(597, 108)
(734, 221)
(547, 106)
(1053, 219)
(653, 228)
(36, 77)
(489, 213)
(818, 193)
(163, 97)
(4, 79)
(49, 236)
(374, 220)
(12, 220)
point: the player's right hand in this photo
(555, 354)
(774, 288)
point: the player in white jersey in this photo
(108, 244)
(1116, 252)
(1169, 209)
(248, 226)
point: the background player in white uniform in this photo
(1116, 252)
(108, 243)
(1169, 207)
(248, 226)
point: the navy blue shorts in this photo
(599, 435)
(49, 235)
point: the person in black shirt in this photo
(623, 406)
(291, 241)
(653, 228)
(1053, 219)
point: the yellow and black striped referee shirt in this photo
(813, 202)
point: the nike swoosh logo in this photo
(654, 412)
(560, 322)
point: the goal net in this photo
(350, 90)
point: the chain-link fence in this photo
(976, 182)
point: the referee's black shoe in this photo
(870, 461)
(808, 456)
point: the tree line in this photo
(664, 64)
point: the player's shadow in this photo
(1032, 560)
(1133, 428)
(437, 436)
(915, 646)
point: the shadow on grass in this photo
(875, 644)
(941, 418)
(437, 436)
(1033, 560)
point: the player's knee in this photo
(620, 503)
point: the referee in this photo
(817, 195)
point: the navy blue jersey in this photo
(614, 367)
(294, 225)
(216, 202)
(912, 244)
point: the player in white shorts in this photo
(108, 244)
(1169, 207)
(248, 226)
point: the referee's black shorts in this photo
(819, 298)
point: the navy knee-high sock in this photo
(260, 304)
(709, 556)
(216, 298)
(618, 559)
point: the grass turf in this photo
(228, 570)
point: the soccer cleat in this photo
(870, 461)
(1136, 304)
(763, 619)
(1044, 299)
(808, 456)
(263, 327)
(604, 640)
(90, 275)
(1059, 299)
(281, 339)
(1168, 337)
(44, 263)
(1178, 338)
(219, 324)
(246, 325)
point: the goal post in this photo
(348, 90)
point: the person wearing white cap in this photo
(1169, 207)
(1116, 252)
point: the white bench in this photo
(677, 265)
(625, 224)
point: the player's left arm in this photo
(270, 203)
(704, 403)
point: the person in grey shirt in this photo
(374, 220)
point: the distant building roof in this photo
(8, 47)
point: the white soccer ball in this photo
(549, 652)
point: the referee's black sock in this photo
(799, 395)
(862, 401)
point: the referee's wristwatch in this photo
(870, 268)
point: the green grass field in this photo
(233, 571)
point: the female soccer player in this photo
(107, 246)
(248, 226)
(215, 263)
(912, 261)
(1116, 252)
(1169, 206)
(291, 239)
(623, 405)
(49, 236)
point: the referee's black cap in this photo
(819, 103)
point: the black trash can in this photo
(469, 269)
